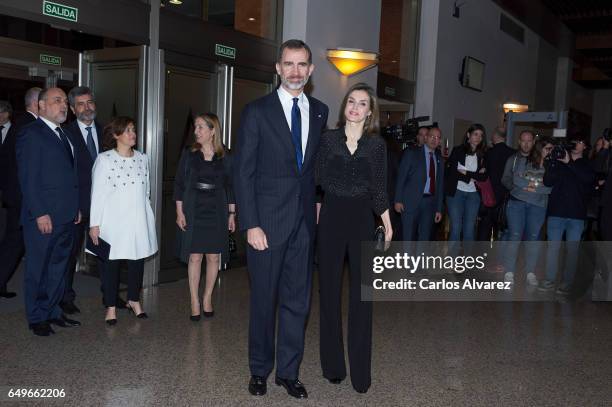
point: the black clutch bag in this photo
(379, 239)
(102, 250)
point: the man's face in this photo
(434, 136)
(579, 148)
(294, 69)
(4, 118)
(54, 107)
(84, 108)
(526, 141)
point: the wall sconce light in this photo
(176, 2)
(351, 61)
(514, 107)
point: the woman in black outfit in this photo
(351, 169)
(205, 208)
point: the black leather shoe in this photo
(111, 322)
(41, 329)
(69, 308)
(194, 318)
(7, 294)
(258, 386)
(294, 388)
(64, 322)
(208, 314)
(335, 380)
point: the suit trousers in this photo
(46, 261)
(110, 280)
(11, 247)
(418, 224)
(280, 274)
(343, 224)
(79, 237)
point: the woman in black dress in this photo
(205, 208)
(352, 171)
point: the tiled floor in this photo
(425, 354)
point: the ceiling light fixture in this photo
(515, 107)
(251, 18)
(350, 61)
(175, 2)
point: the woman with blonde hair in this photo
(205, 208)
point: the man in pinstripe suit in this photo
(275, 190)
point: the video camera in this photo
(405, 134)
(560, 149)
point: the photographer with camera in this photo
(571, 179)
(600, 163)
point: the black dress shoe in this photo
(362, 391)
(64, 322)
(69, 308)
(258, 386)
(335, 380)
(294, 388)
(194, 318)
(208, 314)
(7, 294)
(111, 322)
(41, 329)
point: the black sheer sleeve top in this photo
(363, 173)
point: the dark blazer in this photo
(412, 177)
(85, 162)
(572, 184)
(495, 162)
(270, 191)
(9, 179)
(47, 176)
(453, 176)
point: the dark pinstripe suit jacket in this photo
(270, 191)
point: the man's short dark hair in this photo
(5, 106)
(423, 127)
(294, 44)
(78, 91)
(500, 132)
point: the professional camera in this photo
(561, 149)
(405, 134)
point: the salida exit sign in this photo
(62, 11)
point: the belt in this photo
(205, 187)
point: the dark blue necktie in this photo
(296, 132)
(65, 143)
(91, 145)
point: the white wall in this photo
(510, 71)
(331, 24)
(602, 112)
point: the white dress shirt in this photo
(286, 100)
(120, 205)
(471, 164)
(83, 127)
(5, 130)
(53, 126)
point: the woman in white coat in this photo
(121, 213)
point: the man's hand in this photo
(45, 226)
(94, 233)
(399, 207)
(257, 238)
(565, 159)
(438, 217)
(78, 219)
(231, 222)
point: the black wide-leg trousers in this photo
(343, 224)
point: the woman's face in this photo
(474, 138)
(128, 137)
(203, 133)
(546, 149)
(357, 107)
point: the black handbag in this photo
(379, 238)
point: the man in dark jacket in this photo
(572, 180)
(11, 245)
(495, 161)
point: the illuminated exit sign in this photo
(225, 51)
(50, 60)
(60, 11)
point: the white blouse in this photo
(471, 164)
(120, 205)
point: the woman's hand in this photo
(94, 233)
(387, 224)
(231, 222)
(181, 221)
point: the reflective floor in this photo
(426, 354)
